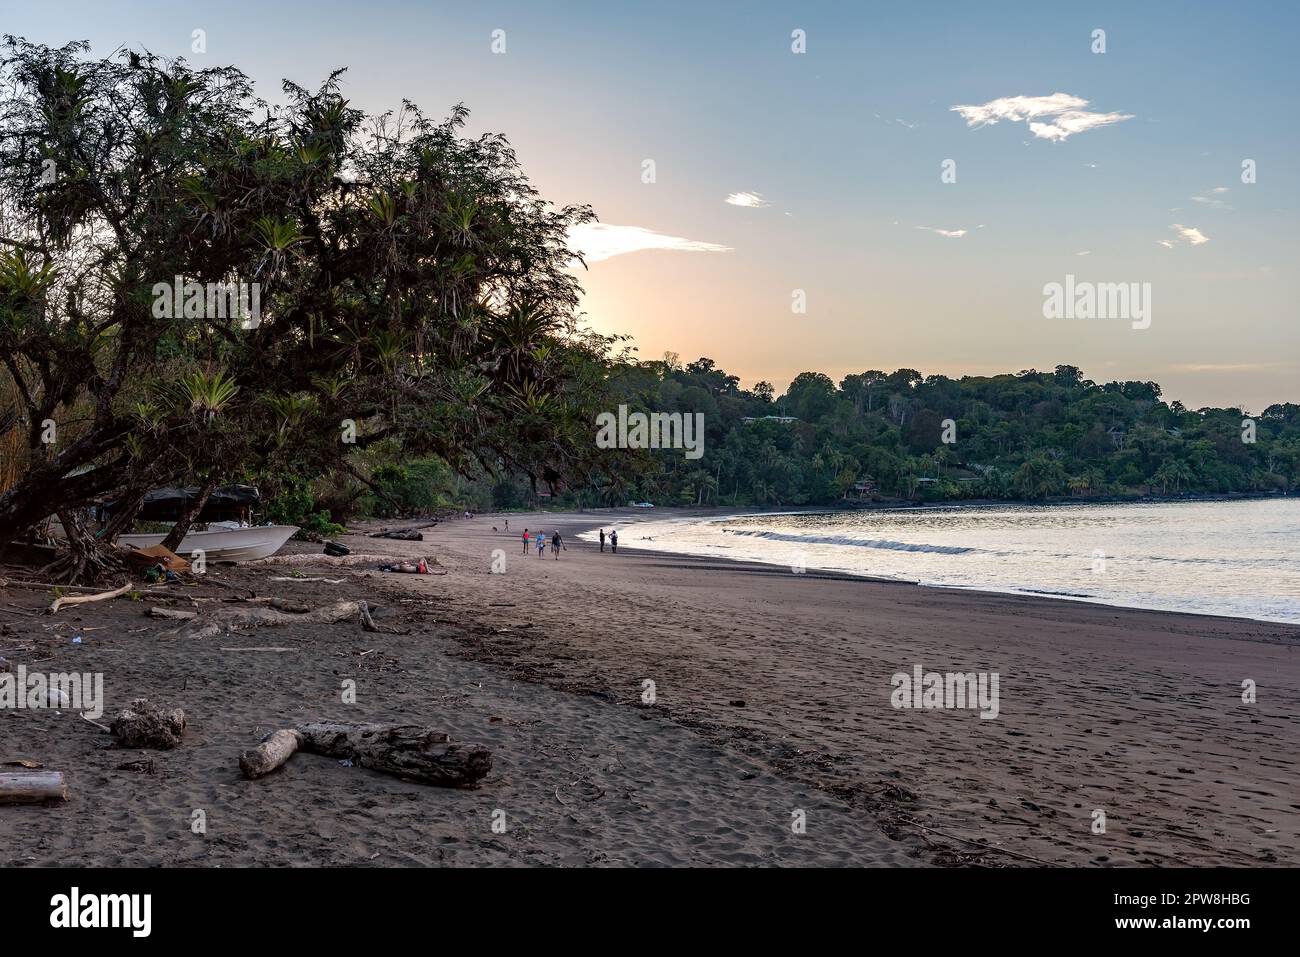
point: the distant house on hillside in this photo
(1116, 436)
(783, 419)
(862, 490)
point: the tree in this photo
(412, 283)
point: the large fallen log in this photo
(407, 751)
(233, 619)
(32, 787)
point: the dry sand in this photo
(1135, 713)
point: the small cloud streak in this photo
(600, 241)
(1054, 118)
(747, 200)
(947, 233)
(1227, 366)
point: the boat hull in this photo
(222, 544)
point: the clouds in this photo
(946, 233)
(600, 241)
(1213, 202)
(1188, 234)
(1054, 118)
(747, 200)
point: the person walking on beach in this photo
(602, 539)
(613, 540)
(556, 544)
(541, 544)
(525, 542)
(507, 524)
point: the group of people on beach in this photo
(557, 543)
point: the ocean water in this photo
(1238, 558)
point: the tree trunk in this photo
(128, 506)
(47, 487)
(32, 787)
(407, 751)
(191, 512)
(87, 559)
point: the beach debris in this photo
(67, 600)
(409, 535)
(155, 556)
(407, 568)
(310, 559)
(102, 727)
(144, 725)
(328, 581)
(368, 623)
(4, 665)
(140, 767)
(336, 549)
(261, 648)
(277, 748)
(409, 752)
(24, 763)
(231, 619)
(280, 604)
(173, 614)
(32, 787)
(49, 586)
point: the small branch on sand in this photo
(102, 727)
(409, 752)
(260, 648)
(48, 586)
(84, 599)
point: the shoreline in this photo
(722, 514)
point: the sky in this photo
(798, 218)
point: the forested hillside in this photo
(1027, 435)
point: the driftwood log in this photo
(278, 748)
(175, 614)
(144, 725)
(32, 787)
(233, 619)
(83, 599)
(410, 535)
(407, 751)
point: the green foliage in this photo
(1028, 436)
(295, 505)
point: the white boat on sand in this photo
(245, 544)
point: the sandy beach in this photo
(771, 708)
